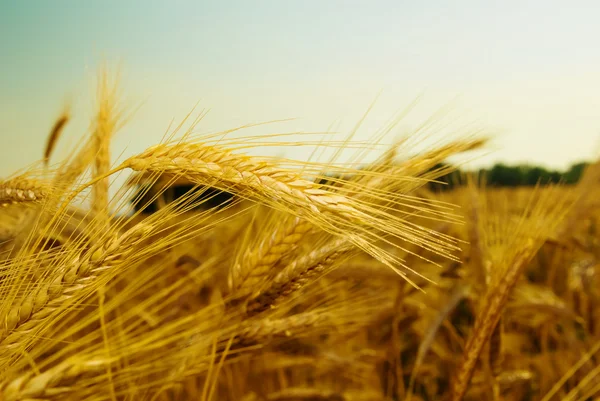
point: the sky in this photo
(527, 72)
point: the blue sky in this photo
(528, 71)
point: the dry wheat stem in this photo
(458, 293)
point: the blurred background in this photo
(527, 71)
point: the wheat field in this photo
(274, 279)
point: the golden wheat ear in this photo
(23, 190)
(55, 132)
(511, 246)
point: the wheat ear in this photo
(70, 278)
(203, 164)
(53, 383)
(487, 318)
(257, 262)
(24, 190)
(261, 331)
(107, 121)
(55, 132)
(299, 273)
(280, 188)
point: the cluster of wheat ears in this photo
(298, 285)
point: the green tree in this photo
(574, 173)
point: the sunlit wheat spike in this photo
(203, 164)
(256, 263)
(93, 150)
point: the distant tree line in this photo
(502, 175)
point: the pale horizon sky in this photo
(527, 71)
